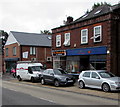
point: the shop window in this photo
(6, 52)
(67, 39)
(32, 50)
(58, 41)
(84, 36)
(14, 51)
(97, 34)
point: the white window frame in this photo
(14, 51)
(98, 34)
(66, 39)
(32, 50)
(58, 40)
(84, 36)
(6, 51)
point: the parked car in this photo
(28, 71)
(100, 79)
(56, 77)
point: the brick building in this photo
(22, 46)
(90, 42)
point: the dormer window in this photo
(98, 11)
(97, 33)
(58, 41)
(67, 39)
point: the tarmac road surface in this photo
(50, 96)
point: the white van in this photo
(28, 71)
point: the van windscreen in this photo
(36, 68)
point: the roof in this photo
(32, 39)
(101, 10)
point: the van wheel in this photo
(32, 79)
(42, 81)
(19, 78)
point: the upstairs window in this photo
(97, 34)
(32, 50)
(67, 39)
(14, 51)
(84, 36)
(58, 41)
(6, 51)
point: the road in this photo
(14, 92)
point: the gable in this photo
(11, 39)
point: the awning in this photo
(11, 59)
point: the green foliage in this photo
(45, 32)
(100, 4)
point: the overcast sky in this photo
(35, 15)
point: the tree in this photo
(100, 4)
(3, 39)
(45, 32)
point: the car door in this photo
(95, 80)
(51, 76)
(45, 75)
(86, 78)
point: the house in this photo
(89, 42)
(21, 46)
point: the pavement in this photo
(73, 89)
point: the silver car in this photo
(100, 79)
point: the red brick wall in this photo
(41, 54)
(10, 51)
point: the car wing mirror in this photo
(52, 74)
(97, 77)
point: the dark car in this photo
(56, 77)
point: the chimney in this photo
(69, 19)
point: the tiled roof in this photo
(32, 39)
(101, 10)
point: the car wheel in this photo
(81, 84)
(56, 83)
(42, 81)
(105, 87)
(32, 79)
(19, 78)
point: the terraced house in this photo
(89, 42)
(22, 46)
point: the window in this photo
(84, 36)
(95, 75)
(86, 74)
(14, 51)
(97, 34)
(58, 40)
(67, 39)
(32, 50)
(6, 51)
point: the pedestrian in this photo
(13, 72)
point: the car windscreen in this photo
(59, 72)
(36, 68)
(106, 74)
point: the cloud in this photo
(36, 15)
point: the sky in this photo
(35, 15)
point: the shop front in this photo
(81, 59)
(59, 58)
(10, 63)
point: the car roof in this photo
(94, 71)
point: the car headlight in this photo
(62, 78)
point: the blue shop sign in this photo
(87, 51)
